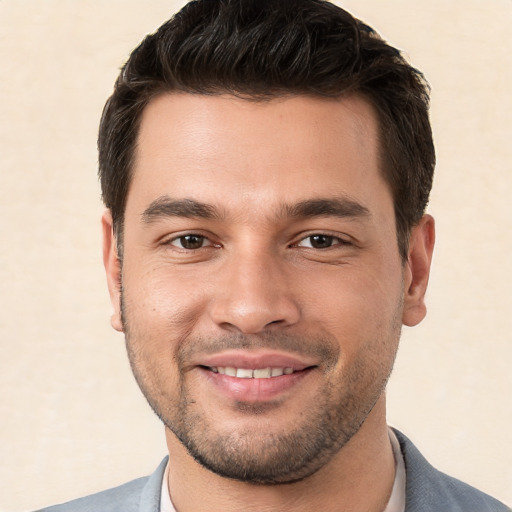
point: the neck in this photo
(359, 477)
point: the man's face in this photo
(262, 287)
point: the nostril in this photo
(276, 322)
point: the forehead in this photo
(223, 148)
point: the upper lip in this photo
(253, 360)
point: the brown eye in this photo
(318, 241)
(321, 241)
(190, 242)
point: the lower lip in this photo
(254, 390)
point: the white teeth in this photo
(262, 373)
(246, 373)
(230, 371)
(243, 373)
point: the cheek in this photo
(359, 307)
(159, 305)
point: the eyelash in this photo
(182, 238)
(333, 241)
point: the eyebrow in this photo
(166, 206)
(342, 207)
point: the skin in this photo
(284, 248)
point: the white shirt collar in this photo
(396, 501)
(165, 499)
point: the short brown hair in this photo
(260, 49)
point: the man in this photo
(266, 166)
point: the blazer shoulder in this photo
(140, 495)
(124, 498)
(428, 489)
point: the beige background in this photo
(71, 418)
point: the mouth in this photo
(255, 383)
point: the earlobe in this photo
(417, 270)
(112, 265)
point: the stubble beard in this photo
(261, 457)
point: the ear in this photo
(417, 271)
(112, 268)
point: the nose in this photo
(254, 294)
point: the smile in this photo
(247, 373)
(252, 385)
